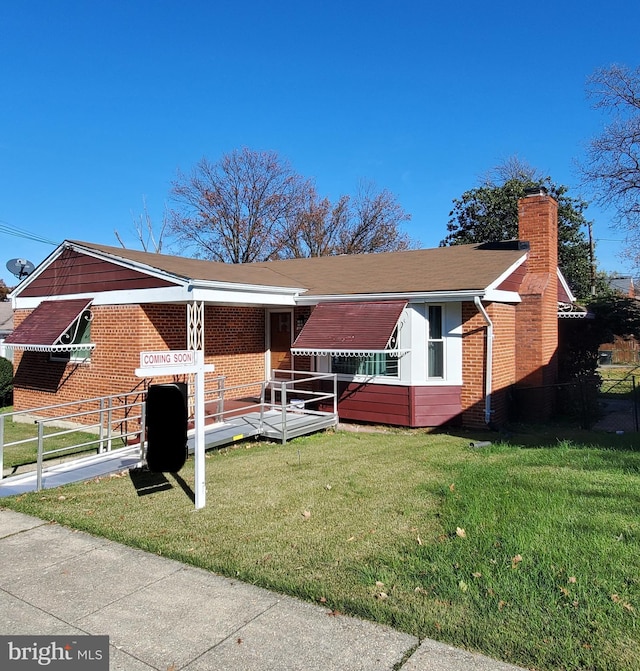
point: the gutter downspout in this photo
(489, 360)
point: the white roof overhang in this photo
(411, 297)
(185, 293)
(566, 287)
(501, 296)
(494, 295)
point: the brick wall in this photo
(473, 365)
(234, 342)
(474, 352)
(525, 341)
(40, 382)
(504, 360)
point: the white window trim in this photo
(73, 357)
(442, 339)
(413, 344)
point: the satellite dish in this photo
(20, 267)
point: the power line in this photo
(20, 233)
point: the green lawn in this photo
(618, 381)
(527, 551)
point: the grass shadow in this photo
(146, 482)
(184, 486)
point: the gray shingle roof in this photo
(456, 268)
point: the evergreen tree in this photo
(489, 213)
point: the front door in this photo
(280, 340)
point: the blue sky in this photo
(102, 102)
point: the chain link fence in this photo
(612, 405)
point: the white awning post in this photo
(201, 491)
(195, 342)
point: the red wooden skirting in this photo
(398, 405)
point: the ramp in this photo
(280, 419)
(74, 470)
(271, 424)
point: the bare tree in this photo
(631, 251)
(251, 206)
(368, 223)
(374, 224)
(236, 210)
(612, 167)
(149, 239)
(513, 167)
(316, 227)
(4, 290)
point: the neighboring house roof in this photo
(623, 285)
(6, 318)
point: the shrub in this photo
(6, 382)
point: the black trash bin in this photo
(605, 357)
(166, 420)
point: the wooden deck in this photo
(271, 424)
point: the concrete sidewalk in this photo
(160, 614)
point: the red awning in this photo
(47, 328)
(349, 329)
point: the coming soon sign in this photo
(167, 358)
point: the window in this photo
(380, 363)
(79, 333)
(435, 343)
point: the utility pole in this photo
(592, 260)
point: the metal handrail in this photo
(107, 407)
(1, 445)
(220, 392)
(283, 398)
(32, 411)
(288, 390)
(100, 425)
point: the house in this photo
(625, 349)
(6, 326)
(623, 285)
(417, 338)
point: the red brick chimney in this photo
(538, 225)
(537, 315)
